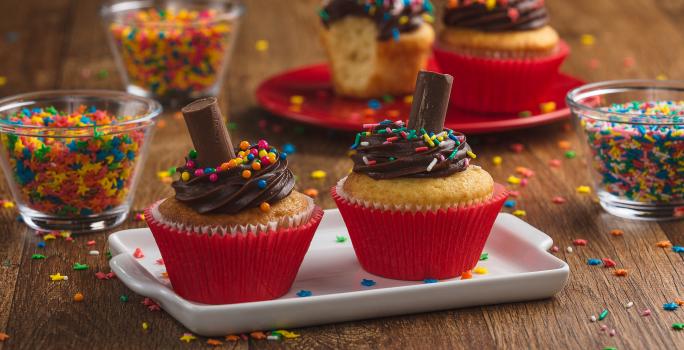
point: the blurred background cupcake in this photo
(376, 47)
(502, 53)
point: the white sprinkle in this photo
(629, 305)
(592, 318)
(612, 333)
(365, 160)
(364, 143)
(66, 278)
(94, 252)
(432, 164)
(568, 249)
(273, 337)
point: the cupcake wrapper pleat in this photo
(493, 85)
(226, 269)
(415, 246)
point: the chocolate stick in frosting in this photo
(430, 101)
(208, 132)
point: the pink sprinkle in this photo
(159, 261)
(612, 333)
(213, 177)
(389, 131)
(604, 327)
(555, 249)
(190, 164)
(555, 163)
(199, 172)
(151, 304)
(629, 62)
(513, 14)
(90, 243)
(403, 134)
(514, 194)
(580, 242)
(262, 144)
(101, 275)
(138, 253)
(265, 161)
(558, 200)
(369, 126)
(110, 275)
(607, 262)
(523, 182)
(646, 312)
(517, 147)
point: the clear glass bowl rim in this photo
(154, 109)
(108, 10)
(601, 88)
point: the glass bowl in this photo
(72, 158)
(634, 133)
(174, 51)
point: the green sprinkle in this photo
(484, 256)
(172, 170)
(340, 239)
(123, 298)
(324, 15)
(453, 154)
(570, 154)
(388, 98)
(37, 256)
(610, 348)
(603, 314)
(79, 267)
(678, 326)
(391, 159)
(108, 255)
(524, 114)
(232, 126)
(192, 154)
(103, 74)
(7, 263)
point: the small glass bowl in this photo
(78, 173)
(637, 158)
(174, 51)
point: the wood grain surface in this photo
(61, 44)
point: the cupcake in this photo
(236, 230)
(376, 48)
(414, 205)
(503, 53)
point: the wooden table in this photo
(60, 41)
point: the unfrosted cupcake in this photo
(376, 48)
(503, 53)
(235, 231)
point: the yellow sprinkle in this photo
(481, 270)
(587, 39)
(490, 4)
(163, 174)
(471, 154)
(187, 337)
(584, 189)
(661, 76)
(403, 20)
(296, 99)
(3, 80)
(185, 176)
(428, 140)
(497, 160)
(145, 326)
(428, 18)
(318, 174)
(519, 213)
(513, 180)
(8, 204)
(58, 277)
(261, 45)
(49, 236)
(547, 107)
(287, 334)
(408, 99)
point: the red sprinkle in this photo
(159, 261)
(514, 194)
(151, 304)
(90, 243)
(421, 149)
(581, 242)
(555, 249)
(607, 262)
(555, 163)
(558, 200)
(393, 138)
(138, 253)
(517, 147)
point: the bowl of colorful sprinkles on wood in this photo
(172, 50)
(634, 133)
(235, 230)
(71, 158)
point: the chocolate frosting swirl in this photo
(506, 15)
(229, 192)
(401, 152)
(391, 17)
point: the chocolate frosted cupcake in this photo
(503, 53)
(414, 206)
(236, 230)
(376, 48)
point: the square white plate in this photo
(520, 268)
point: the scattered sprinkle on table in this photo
(607, 262)
(678, 326)
(617, 232)
(677, 249)
(261, 45)
(517, 147)
(497, 160)
(311, 192)
(564, 145)
(646, 312)
(430, 280)
(214, 342)
(580, 242)
(570, 154)
(58, 277)
(568, 249)
(138, 253)
(519, 213)
(480, 270)
(509, 203)
(547, 107)
(304, 293)
(592, 318)
(37, 256)
(583, 189)
(94, 252)
(123, 298)
(318, 174)
(367, 282)
(287, 334)
(3, 336)
(554, 163)
(587, 39)
(629, 305)
(78, 297)
(670, 306)
(593, 262)
(340, 239)
(258, 335)
(558, 200)
(664, 244)
(145, 326)
(79, 266)
(466, 275)
(187, 337)
(513, 180)
(603, 314)
(484, 256)
(620, 272)
(232, 337)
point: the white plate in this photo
(520, 268)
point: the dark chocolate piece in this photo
(208, 132)
(430, 101)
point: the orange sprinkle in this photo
(256, 166)
(246, 174)
(265, 207)
(368, 111)
(664, 244)
(467, 275)
(564, 145)
(257, 335)
(214, 342)
(617, 232)
(244, 145)
(78, 297)
(311, 192)
(4, 336)
(232, 337)
(620, 272)
(679, 302)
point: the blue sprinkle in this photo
(250, 156)
(208, 170)
(374, 104)
(430, 280)
(304, 293)
(678, 249)
(670, 306)
(261, 184)
(367, 283)
(395, 34)
(594, 262)
(283, 156)
(289, 148)
(41, 244)
(509, 203)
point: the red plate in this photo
(322, 107)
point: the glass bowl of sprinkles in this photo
(72, 157)
(634, 133)
(173, 51)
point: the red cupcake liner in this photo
(227, 269)
(415, 246)
(492, 85)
